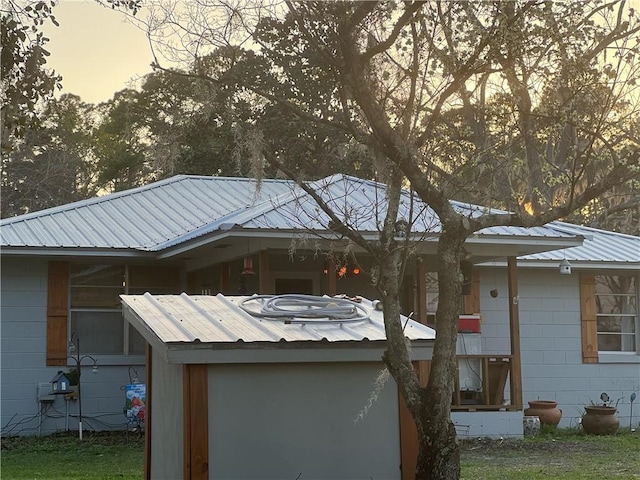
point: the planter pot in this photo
(546, 410)
(599, 420)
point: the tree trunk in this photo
(438, 452)
(430, 407)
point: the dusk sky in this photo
(95, 50)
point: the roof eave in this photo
(289, 352)
(10, 251)
(580, 265)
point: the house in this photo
(540, 334)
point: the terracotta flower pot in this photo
(600, 420)
(546, 410)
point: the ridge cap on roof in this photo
(236, 217)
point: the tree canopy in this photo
(518, 105)
(25, 80)
(525, 106)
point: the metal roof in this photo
(358, 204)
(186, 322)
(182, 209)
(600, 248)
(140, 218)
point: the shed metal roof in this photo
(178, 324)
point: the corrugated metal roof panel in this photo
(599, 246)
(357, 203)
(174, 211)
(219, 320)
(140, 218)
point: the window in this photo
(433, 296)
(616, 312)
(96, 311)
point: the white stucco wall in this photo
(23, 363)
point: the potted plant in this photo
(546, 410)
(601, 419)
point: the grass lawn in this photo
(563, 454)
(100, 456)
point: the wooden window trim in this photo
(57, 312)
(588, 319)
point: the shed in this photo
(236, 391)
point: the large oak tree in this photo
(530, 106)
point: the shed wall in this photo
(167, 420)
(299, 421)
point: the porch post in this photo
(224, 278)
(421, 290)
(264, 273)
(331, 277)
(514, 327)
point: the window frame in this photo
(635, 294)
(138, 277)
(126, 357)
(588, 320)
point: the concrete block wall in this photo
(471, 425)
(551, 345)
(23, 331)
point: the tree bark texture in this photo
(430, 407)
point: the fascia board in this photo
(553, 264)
(74, 252)
(277, 353)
